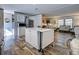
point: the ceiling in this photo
(47, 9)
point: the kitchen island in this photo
(39, 37)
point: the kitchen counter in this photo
(39, 37)
(39, 29)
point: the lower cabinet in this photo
(32, 38)
(39, 39)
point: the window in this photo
(65, 22)
(68, 22)
(60, 22)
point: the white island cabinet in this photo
(38, 37)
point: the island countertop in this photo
(39, 29)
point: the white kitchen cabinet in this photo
(21, 31)
(31, 37)
(48, 37)
(39, 38)
(27, 36)
(20, 18)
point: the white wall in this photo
(76, 20)
(74, 16)
(37, 20)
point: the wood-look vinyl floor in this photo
(22, 48)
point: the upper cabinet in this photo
(20, 18)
